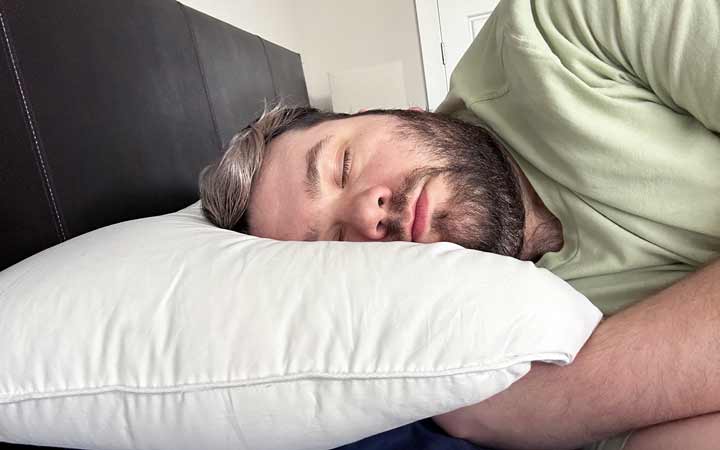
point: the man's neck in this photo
(543, 231)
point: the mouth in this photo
(420, 216)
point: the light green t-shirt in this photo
(612, 109)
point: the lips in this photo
(421, 217)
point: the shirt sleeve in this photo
(670, 46)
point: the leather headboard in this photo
(109, 109)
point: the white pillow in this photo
(170, 333)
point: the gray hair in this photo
(226, 184)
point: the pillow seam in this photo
(205, 386)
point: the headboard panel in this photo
(110, 109)
(242, 73)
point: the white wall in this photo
(333, 36)
(271, 19)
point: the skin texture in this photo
(697, 433)
(280, 207)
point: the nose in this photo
(369, 212)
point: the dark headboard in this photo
(109, 109)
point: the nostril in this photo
(381, 201)
(380, 227)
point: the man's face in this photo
(361, 179)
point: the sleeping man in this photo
(579, 135)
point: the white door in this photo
(447, 27)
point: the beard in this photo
(485, 209)
(483, 213)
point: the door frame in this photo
(430, 30)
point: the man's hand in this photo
(655, 362)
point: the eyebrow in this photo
(312, 179)
(312, 176)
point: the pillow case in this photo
(170, 333)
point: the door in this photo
(447, 27)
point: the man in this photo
(593, 152)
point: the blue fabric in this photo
(423, 435)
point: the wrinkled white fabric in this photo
(170, 333)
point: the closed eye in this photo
(347, 165)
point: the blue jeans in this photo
(423, 435)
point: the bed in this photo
(109, 111)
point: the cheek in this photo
(439, 191)
(392, 166)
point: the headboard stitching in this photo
(31, 125)
(203, 75)
(272, 75)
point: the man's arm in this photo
(696, 433)
(654, 362)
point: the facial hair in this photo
(485, 209)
